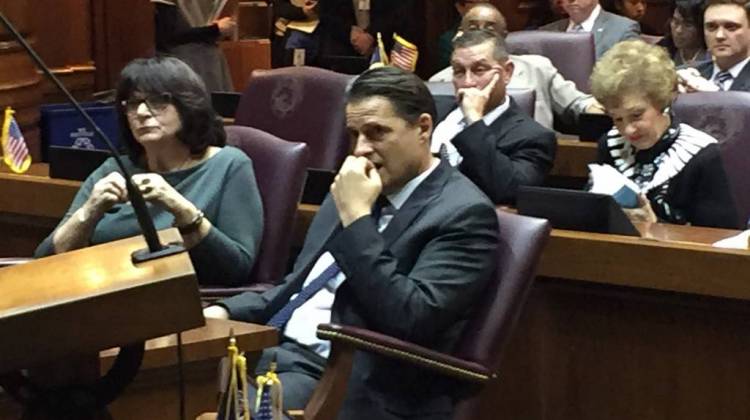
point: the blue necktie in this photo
(721, 78)
(280, 318)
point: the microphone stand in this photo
(155, 248)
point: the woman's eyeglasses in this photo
(157, 102)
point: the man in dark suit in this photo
(727, 33)
(350, 27)
(588, 16)
(412, 272)
(486, 134)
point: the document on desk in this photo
(741, 241)
(605, 179)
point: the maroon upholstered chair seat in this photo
(477, 359)
(280, 173)
(302, 104)
(572, 53)
(726, 116)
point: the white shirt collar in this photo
(588, 24)
(491, 116)
(398, 198)
(734, 70)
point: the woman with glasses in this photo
(186, 174)
(677, 167)
(685, 42)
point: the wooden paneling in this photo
(123, 30)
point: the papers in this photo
(741, 241)
(690, 80)
(306, 26)
(607, 180)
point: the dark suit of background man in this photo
(588, 16)
(350, 27)
(416, 278)
(727, 33)
(493, 142)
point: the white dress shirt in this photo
(455, 123)
(317, 310)
(734, 71)
(588, 24)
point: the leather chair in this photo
(302, 104)
(525, 98)
(280, 173)
(572, 53)
(726, 116)
(480, 350)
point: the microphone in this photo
(155, 248)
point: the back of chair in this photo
(280, 168)
(572, 53)
(303, 104)
(726, 116)
(522, 239)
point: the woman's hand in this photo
(642, 213)
(107, 192)
(156, 189)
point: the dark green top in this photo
(223, 187)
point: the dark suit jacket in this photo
(741, 83)
(513, 151)
(416, 281)
(386, 16)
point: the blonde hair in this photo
(634, 67)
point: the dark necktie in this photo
(280, 318)
(722, 78)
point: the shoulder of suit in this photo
(613, 17)
(530, 127)
(532, 60)
(555, 26)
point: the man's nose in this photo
(362, 147)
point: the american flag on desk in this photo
(15, 153)
(404, 54)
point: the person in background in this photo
(486, 135)
(677, 167)
(188, 177)
(588, 16)
(685, 41)
(726, 27)
(182, 29)
(556, 97)
(285, 39)
(445, 40)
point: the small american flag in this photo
(15, 153)
(404, 54)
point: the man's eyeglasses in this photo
(157, 102)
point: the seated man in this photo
(411, 267)
(445, 40)
(588, 16)
(727, 32)
(487, 135)
(554, 95)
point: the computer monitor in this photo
(592, 127)
(317, 185)
(74, 163)
(575, 210)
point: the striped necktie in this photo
(577, 28)
(722, 78)
(280, 318)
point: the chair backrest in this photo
(726, 116)
(572, 53)
(303, 104)
(525, 98)
(280, 168)
(522, 239)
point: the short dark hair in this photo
(201, 126)
(406, 92)
(480, 36)
(742, 3)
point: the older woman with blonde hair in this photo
(677, 167)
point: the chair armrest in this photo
(362, 339)
(213, 294)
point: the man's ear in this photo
(425, 127)
(509, 67)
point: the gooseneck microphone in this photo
(155, 248)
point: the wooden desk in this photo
(154, 392)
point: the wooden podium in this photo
(58, 312)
